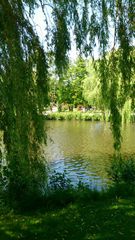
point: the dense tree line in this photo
(80, 87)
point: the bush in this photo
(59, 181)
(78, 116)
(23, 189)
(88, 117)
(60, 116)
(97, 117)
(85, 116)
(69, 116)
(122, 169)
(51, 116)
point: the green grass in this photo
(103, 217)
(73, 213)
(92, 115)
(88, 116)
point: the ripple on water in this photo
(83, 150)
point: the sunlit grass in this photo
(83, 116)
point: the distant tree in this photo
(70, 86)
(78, 73)
(91, 87)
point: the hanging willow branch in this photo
(24, 92)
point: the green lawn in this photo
(99, 220)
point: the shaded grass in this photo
(68, 213)
(87, 215)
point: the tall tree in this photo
(23, 84)
(71, 88)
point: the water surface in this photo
(84, 149)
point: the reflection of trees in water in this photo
(78, 168)
(84, 149)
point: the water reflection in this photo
(84, 149)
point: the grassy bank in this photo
(85, 116)
(102, 216)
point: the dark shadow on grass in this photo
(96, 218)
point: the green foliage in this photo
(122, 170)
(24, 68)
(88, 116)
(70, 86)
(112, 219)
(24, 191)
(126, 112)
(91, 87)
(59, 181)
(69, 116)
(24, 88)
(115, 96)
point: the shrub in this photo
(88, 117)
(78, 116)
(97, 117)
(60, 116)
(59, 181)
(85, 116)
(21, 188)
(51, 116)
(122, 169)
(69, 116)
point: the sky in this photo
(39, 23)
(38, 20)
(40, 28)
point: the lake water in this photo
(84, 149)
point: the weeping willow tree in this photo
(23, 84)
(24, 67)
